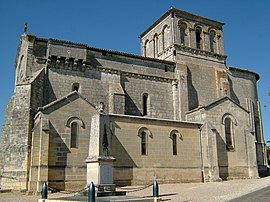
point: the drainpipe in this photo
(201, 152)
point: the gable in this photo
(72, 101)
(224, 101)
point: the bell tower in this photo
(177, 35)
(196, 45)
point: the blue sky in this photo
(116, 25)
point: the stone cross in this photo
(25, 28)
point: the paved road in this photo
(260, 195)
(234, 190)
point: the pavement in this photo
(184, 192)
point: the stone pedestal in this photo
(100, 170)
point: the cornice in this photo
(195, 51)
(86, 65)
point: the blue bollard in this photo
(155, 189)
(91, 193)
(44, 191)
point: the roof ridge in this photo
(63, 98)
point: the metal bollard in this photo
(44, 191)
(155, 189)
(91, 193)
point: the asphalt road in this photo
(260, 195)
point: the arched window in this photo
(145, 104)
(174, 143)
(75, 87)
(143, 143)
(212, 40)
(155, 45)
(144, 133)
(198, 32)
(183, 27)
(164, 37)
(229, 133)
(173, 136)
(146, 44)
(74, 135)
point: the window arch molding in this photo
(144, 129)
(198, 25)
(212, 29)
(184, 21)
(72, 119)
(177, 134)
(226, 115)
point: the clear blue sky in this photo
(116, 25)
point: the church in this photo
(177, 113)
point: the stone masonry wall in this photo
(66, 166)
(15, 142)
(101, 71)
(243, 86)
(159, 164)
(240, 162)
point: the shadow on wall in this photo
(192, 93)
(58, 151)
(222, 157)
(233, 95)
(48, 93)
(123, 167)
(130, 106)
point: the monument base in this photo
(100, 170)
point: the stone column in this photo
(251, 154)
(182, 99)
(175, 100)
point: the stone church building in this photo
(177, 113)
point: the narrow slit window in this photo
(143, 143)
(75, 87)
(229, 133)
(212, 40)
(198, 38)
(183, 28)
(174, 144)
(74, 135)
(145, 103)
(155, 44)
